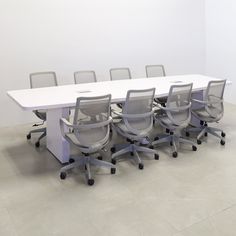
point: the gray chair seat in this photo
(203, 115)
(41, 114)
(161, 100)
(139, 125)
(88, 141)
(167, 123)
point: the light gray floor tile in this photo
(224, 222)
(203, 228)
(194, 194)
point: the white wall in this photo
(221, 42)
(69, 35)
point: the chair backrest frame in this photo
(34, 75)
(213, 100)
(123, 69)
(145, 116)
(181, 108)
(155, 66)
(91, 72)
(94, 118)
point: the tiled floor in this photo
(193, 195)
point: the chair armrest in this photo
(182, 108)
(64, 121)
(199, 101)
(96, 125)
(122, 115)
(207, 102)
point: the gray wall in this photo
(69, 35)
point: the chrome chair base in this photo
(133, 149)
(174, 140)
(204, 130)
(41, 130)
(86, 161)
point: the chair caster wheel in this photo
(199, 142)
(206, 134)
(171, 143)
(37, 144)
(90, 182)
(201, 122)
(113, 161)
(174, 154)
(151, 147)
(113, 171)
(167, 131)
(63, 175)
(187, 134)
(156, 157)
(156, 138)
(28, 136)
(71, 160)
(223, 134)
(132, 153)
(140, 166)
(99, 158)
(222, 142)
(113, 150)
(194, 148)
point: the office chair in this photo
(85, 77)
(176, 117)
(89, 132)
(120, 73)
(155, 71)
(40, 80)
(134, 123)
(211, 110)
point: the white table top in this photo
(65, 96)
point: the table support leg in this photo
(56, 144)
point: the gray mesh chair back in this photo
(120, 73)
(84, 77)
(91, 112)
(138, 105)
(155, 71)
(214, 98)
(43, 79)
(179, 103)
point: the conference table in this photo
(58, 100)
